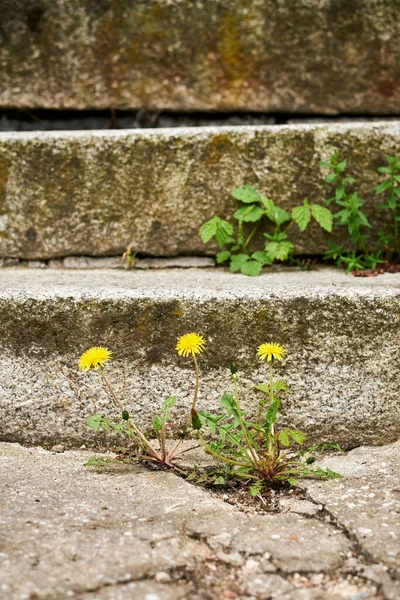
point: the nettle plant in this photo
(390, 187)
(351, 216)
(255, 453)
(254, 212)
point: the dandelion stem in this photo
(134, 427)
(242, 425)
(145, 441)
(196, 390)
(271, 395)
(113, 394)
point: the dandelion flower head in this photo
(270, 351)
(190, 344)
(94, 358)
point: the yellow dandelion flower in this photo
(270, 352)
(190, 344)
(94, 357)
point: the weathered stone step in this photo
(341, 334)
(292, 55)
(93, 193)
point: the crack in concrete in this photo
(366, 559)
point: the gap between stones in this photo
(14, 119)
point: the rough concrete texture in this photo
(123, 532)
(75, 193)
(341, 334)
(291, 56)
(373, 496)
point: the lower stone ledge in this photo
(71, 531)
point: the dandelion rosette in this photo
(190, 344)
(94, 358)
(270, 352)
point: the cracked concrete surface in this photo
(124, 532)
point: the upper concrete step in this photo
(93, 193)
(291, 55)
(341, 334)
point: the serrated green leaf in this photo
(262, 387)
(339, 192)
(301, 215)
(279, 215)
(219, 481)
(121, 427)
(363, 219)
(223, 233)
(342, 216)
(278, 250)
(283, 438)
(97, 421)
(248, 213)
(209, 229)
(169, 402)
(261, 257)
(251, 267)
(210, 420)
(270, 250)
(223, 430)
(247, 194)
(157, 423)
(330, 178)
(283, 250)
(280, 385)
(268, 204)
(297, 436)
(237, 260)
(382, 187)
(228, 402)
(323, 216)
(222, 256)
(222, 230)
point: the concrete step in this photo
(93, 193)
(341, 334)
(292, 56)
